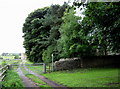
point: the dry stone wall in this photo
(68, 63)
(87, 62)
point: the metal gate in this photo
(36, 67)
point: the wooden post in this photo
(49, 68)
(10, 67)
(44, 65)
(81, 63)
(0, 85)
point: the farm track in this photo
(26, 81)
(49, 82)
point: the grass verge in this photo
(91, 77)
(12, 80)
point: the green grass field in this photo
(12, 61)
(8, 57)
(94, 77)
(0, 62)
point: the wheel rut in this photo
(26, 81)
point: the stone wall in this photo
(68, 63)
(87, 62)
(100, 61)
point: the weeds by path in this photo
(12, 80)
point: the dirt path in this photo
(26, 81)
(49, 82)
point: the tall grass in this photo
(12, 80)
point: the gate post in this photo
(44, 65)
(10, 67)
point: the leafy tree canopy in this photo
(41, 31)
(57, 29)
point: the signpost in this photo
(53, 56)
(52, 63)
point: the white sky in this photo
(12, 17)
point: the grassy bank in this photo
(94, 77)
(12, 80)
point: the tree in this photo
(73, 41)
(56, 28)
(34, 33)
(41, 31)
(102, 21)
(16, 57)
(53, 19)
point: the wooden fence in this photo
(2, 72)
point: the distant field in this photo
(0, 62)
(8, 57)
(11, 61)
(94, 77)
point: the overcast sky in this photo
(12, 17)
